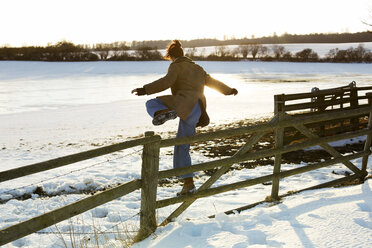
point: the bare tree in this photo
(263, 51)
(254, 49)
(360, 52)
(222, 51)
(287, 56)
(148, 53)
(191, 52)
(278, 51)
(332, 54)
(203, 52)
(307, 55)
(235, 52)
(244, 50)
(103, 54)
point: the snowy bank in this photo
(335, 217)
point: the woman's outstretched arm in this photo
(219, 86)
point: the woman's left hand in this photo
(234, 92)
(139, 91)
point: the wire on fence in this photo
(73, 171)
(93, 233)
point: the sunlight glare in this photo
(87, 22)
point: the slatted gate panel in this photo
(323, 101)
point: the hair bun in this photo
(174, 50)
(177, 43)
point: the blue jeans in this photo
(181, 155)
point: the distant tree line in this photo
(279, 53)
(314, 38)
(141, 51)
(274, 39)
(67, 51)
(62, 51)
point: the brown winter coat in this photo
(186, 80)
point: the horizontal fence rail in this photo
(35, 224)
(258, 180)
(70, 159)
(310, 105)
(259, 154)
(264, 127)
(341, 90)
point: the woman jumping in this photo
(186, 80)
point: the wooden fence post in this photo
(354, 122)
(321, 108)
(367, 145)
(279, 137)
(149, 177)
(278, 104)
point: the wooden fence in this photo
(150, 174)
(324, 101)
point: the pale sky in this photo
(37, 22)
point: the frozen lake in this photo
(36, 86)
(74, 95)
(66, 102)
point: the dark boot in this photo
(188, 186)
(163, 115)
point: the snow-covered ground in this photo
(320, 218)
(49, 110)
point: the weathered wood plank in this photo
(254, 139)
(149, 177)
(328, 184)
(364, 88)
(260, 154)
(70, 159)
(323, 104)
(251, 182)
(334, 182)
(333, 91)
(218, 134)
(344, 90)
(279, 138)
(319, 165)
(213, 191)
(226, 163)
(328, 148)
(40, 222)
(354, 102)
(367, 144)
(326, 116)
(298, 96)
(265, 127)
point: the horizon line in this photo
(231, 38)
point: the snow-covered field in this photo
(49, 110)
